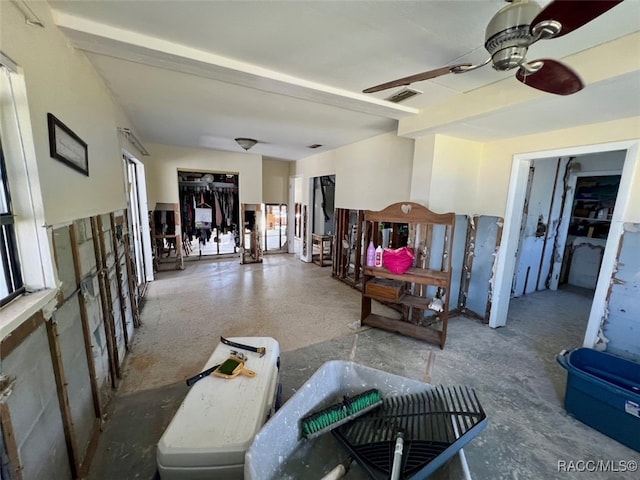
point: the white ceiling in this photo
(290, 73)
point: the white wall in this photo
(165, 161)
(370, 174)
(61, 80)
(275, 181)
(454, 180)
(422, 169)
(495, 166)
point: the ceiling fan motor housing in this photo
(508, 34)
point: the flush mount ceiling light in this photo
(246, 143)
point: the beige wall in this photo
(162, 167)
(275, 181)
(495, 166)
(370, 174)
(61, 80)
(454, 179)
(422, 169)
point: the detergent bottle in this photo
(371, 255)
(378, 262)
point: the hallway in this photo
(315, 319)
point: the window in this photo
(11, 283)
(26, 259)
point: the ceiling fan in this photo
(512, 31)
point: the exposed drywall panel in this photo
(64, 260)
(454, 175)
(497, 159)
(162, 167)
(535, 238)
(457, 261)
(60, 80)
(90, 288)
(585, 264)
(34, 408)
(275, 181)
(486, 238)
(622, 327)
(370, 174)
(76, 370)
(422, 169)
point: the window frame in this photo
(9, 252)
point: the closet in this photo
(210, 211)
(591, 213)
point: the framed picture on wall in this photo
(66, 146)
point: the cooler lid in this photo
(218, 418)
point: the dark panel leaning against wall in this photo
(457, 264)
(622, 325)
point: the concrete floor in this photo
(316, 318)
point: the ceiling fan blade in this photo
(573, 14)
(550, 76)
(416, 78)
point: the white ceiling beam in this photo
(135, 47)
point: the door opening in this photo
(210, 212)
(138, 220)
(275, 231)
(626, 155)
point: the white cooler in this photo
(218, 419)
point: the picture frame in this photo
(66, 146)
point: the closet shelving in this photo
(430, 234)
(593, 205)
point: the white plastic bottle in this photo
(378, 262)
(371, 255)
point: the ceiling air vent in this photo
(403, 95)
(315, 145)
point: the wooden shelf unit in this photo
(430, 235)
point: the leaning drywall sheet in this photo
(64, 261)
(459, 240)
(76, 371)
(484, 255)
(90, 288)
(622, 327)
(35, 411)
(112, 284)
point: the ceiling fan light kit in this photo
(510, 33)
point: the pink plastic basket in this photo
(398, 260)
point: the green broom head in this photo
(331, 417)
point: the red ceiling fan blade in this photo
(572, 14)
(416, 78)
(550, 76)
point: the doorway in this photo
(568, 207)
(317, 241)
(506, 262)
(138, 220)
(210, 212)
(275, 231)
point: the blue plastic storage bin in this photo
(603, 391)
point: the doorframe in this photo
(144, 242)
(505, 263)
